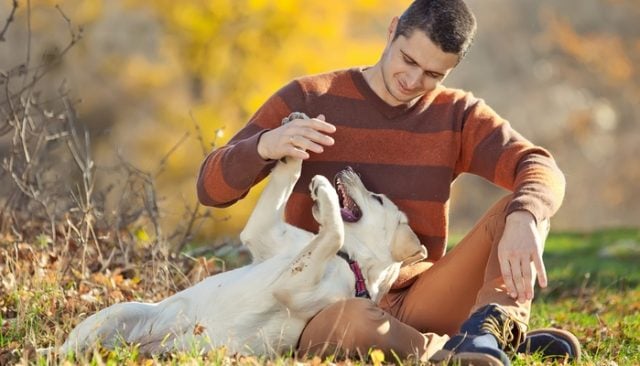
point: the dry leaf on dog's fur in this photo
(198, 329)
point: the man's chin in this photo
(400, 97)
(406, 99)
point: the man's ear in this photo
(406, 247)
(392, 29)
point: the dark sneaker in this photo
(552, 344)
(484, 339)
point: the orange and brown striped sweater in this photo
(411, 154)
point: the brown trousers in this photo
(416, 321)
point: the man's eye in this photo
(378, 198)
(408, 60)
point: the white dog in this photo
(263, 307)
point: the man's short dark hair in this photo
(448, 23)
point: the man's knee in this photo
(346, 327)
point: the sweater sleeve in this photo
(492, 149)
(228, 173)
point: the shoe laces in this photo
(503, 328)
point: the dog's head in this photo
(376, 221)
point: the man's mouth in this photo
(349, 210)
(404, 90)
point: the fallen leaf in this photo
(198, 329)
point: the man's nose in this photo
(415, 79)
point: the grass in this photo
(594, 291)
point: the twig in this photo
(186, 236)
(75, 38)
(163, 162)
(148, 193)
(28, 61)
(9, 20)
(196, 125)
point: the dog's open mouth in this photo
(349, 210)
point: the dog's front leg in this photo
(268, 215)
(308, 267)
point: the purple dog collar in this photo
(361, 287)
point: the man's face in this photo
(412, 66)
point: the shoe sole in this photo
(565, 336)
(445, 357)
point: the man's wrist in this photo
(521, 216)
(260, 148)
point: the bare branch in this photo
(28, 58)
(42, 69)
(163, 161)
(196, 125)
(9, 20)
(42, 194)
(188, 232)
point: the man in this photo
(409, 137)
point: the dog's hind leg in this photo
(109, 327)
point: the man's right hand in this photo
(295, 138)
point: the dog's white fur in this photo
(263, 307)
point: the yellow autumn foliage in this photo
(146, 72)
(212, 63)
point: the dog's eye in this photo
(378, 198)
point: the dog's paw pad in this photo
(294, 115)
(322, 191)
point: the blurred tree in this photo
(161, 68)
(601, 58)
(228, 56)
(565, 73)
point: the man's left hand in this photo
(521, 244)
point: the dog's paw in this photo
(325, 198)
(294, 115)
(287, 169)
(321, 189)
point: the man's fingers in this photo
(304, 143)
(316, 136)
(295, 138)
(296, 153)
(540, 269)
(505, 268)
(527, 280)
(316, 124)
(516, 272)
(310, 130)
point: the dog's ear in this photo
(406, 247)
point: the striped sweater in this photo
(411, 154)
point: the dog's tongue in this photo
(348, 215)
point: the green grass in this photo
(594, 291)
